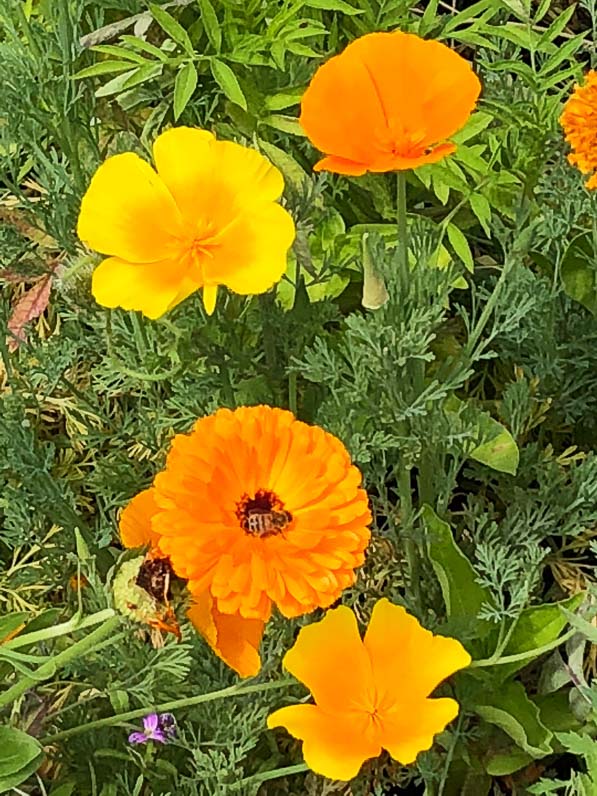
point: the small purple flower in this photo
(160, 728)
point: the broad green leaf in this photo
(142, 75)
(588, 630)
(9, 623)
(279, 102)
(482, 209)
(537, 626)
(579, 273)
(144, 46)
(103, 68)
(119, 52)
(226, 80)
(184, 87)
(333, 5)
(210, 24)
(462, 594)
(114, 86)
(460, 246)
(287, 124)
(503, 763)
(499, 451)
(510, 709)
(172, 27)
(17, 750)
(293, 173)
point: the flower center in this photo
(262, 515)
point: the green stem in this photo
(401, 219)
(266, 776)
(59, 630)
(523, 656)
(48, 669)
(130, 715)
(488, 309)
(450, 755)
(292, 392)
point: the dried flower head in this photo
(370, 694)
(388, 102)
(208, 216)
(579, 120)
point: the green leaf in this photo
(184, 88)
(537, 626)
(20, 755)
(462, 594)
(375, 293)
(173, 28)
(510, 709)
(293, 173)
(119, 52)
(226, 80)
(579, 273)
(11, 622)
(333, 5)
(211, 24)
(144, 46)
(588, 630)
(499, 451)
(103, 68)
(503, 763)
(287, 124)
(460, 246)
(115, 85)
(482, 209)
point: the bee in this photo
(266, 523)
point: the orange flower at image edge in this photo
(208, 217)
(388, 102)
(370, 694)
(254, 509)
(579, 120)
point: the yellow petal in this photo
(135, 520)
(330, 659)
(410, 730)
(250, 254)
(335, 746)
(211, 179)
(210, 296)
(408, 661)
(151, 288)
(128, 212)
(234, 639)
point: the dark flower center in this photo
(262, 515)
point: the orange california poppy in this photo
(235, 639)
(370, 694)
(579, 121)
(208, 217)
(388, 102)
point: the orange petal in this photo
(234, 639)
(408, 661)
(410, 730)
(330, 659)
(128, 212)
(385, 101)
(135, 520)
(152, 288)
(334, 745)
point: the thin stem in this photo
(523, 656)
(401, 219)
(266, 776)
(292, 392)
(488, 309)
(59, 630)
(450, 755)
(130, 715)
(48, 669)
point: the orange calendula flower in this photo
(388, 102)
(579, 121)
(254, 509)
(370, 694)
(207, 216)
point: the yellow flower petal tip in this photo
(207, 215)
(210, 296)
(381, 701)
(388, 102)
